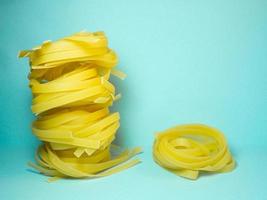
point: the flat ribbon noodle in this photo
(72, 94)
(187, 150)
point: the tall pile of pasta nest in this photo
(69, 80)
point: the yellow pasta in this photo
(72, 94)
(187, 150)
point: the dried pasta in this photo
(187, 150)
(69, 80)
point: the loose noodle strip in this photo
(69, 80)
(187, 150)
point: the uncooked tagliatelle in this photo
(69, 80)
(187, 150)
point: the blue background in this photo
(187, 61)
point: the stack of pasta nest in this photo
(69, 80)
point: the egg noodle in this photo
(187, 150)
(69, 80)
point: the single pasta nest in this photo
(187, 150)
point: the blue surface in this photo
(187, 61)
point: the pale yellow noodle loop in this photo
(189, 149)
(69, 80)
